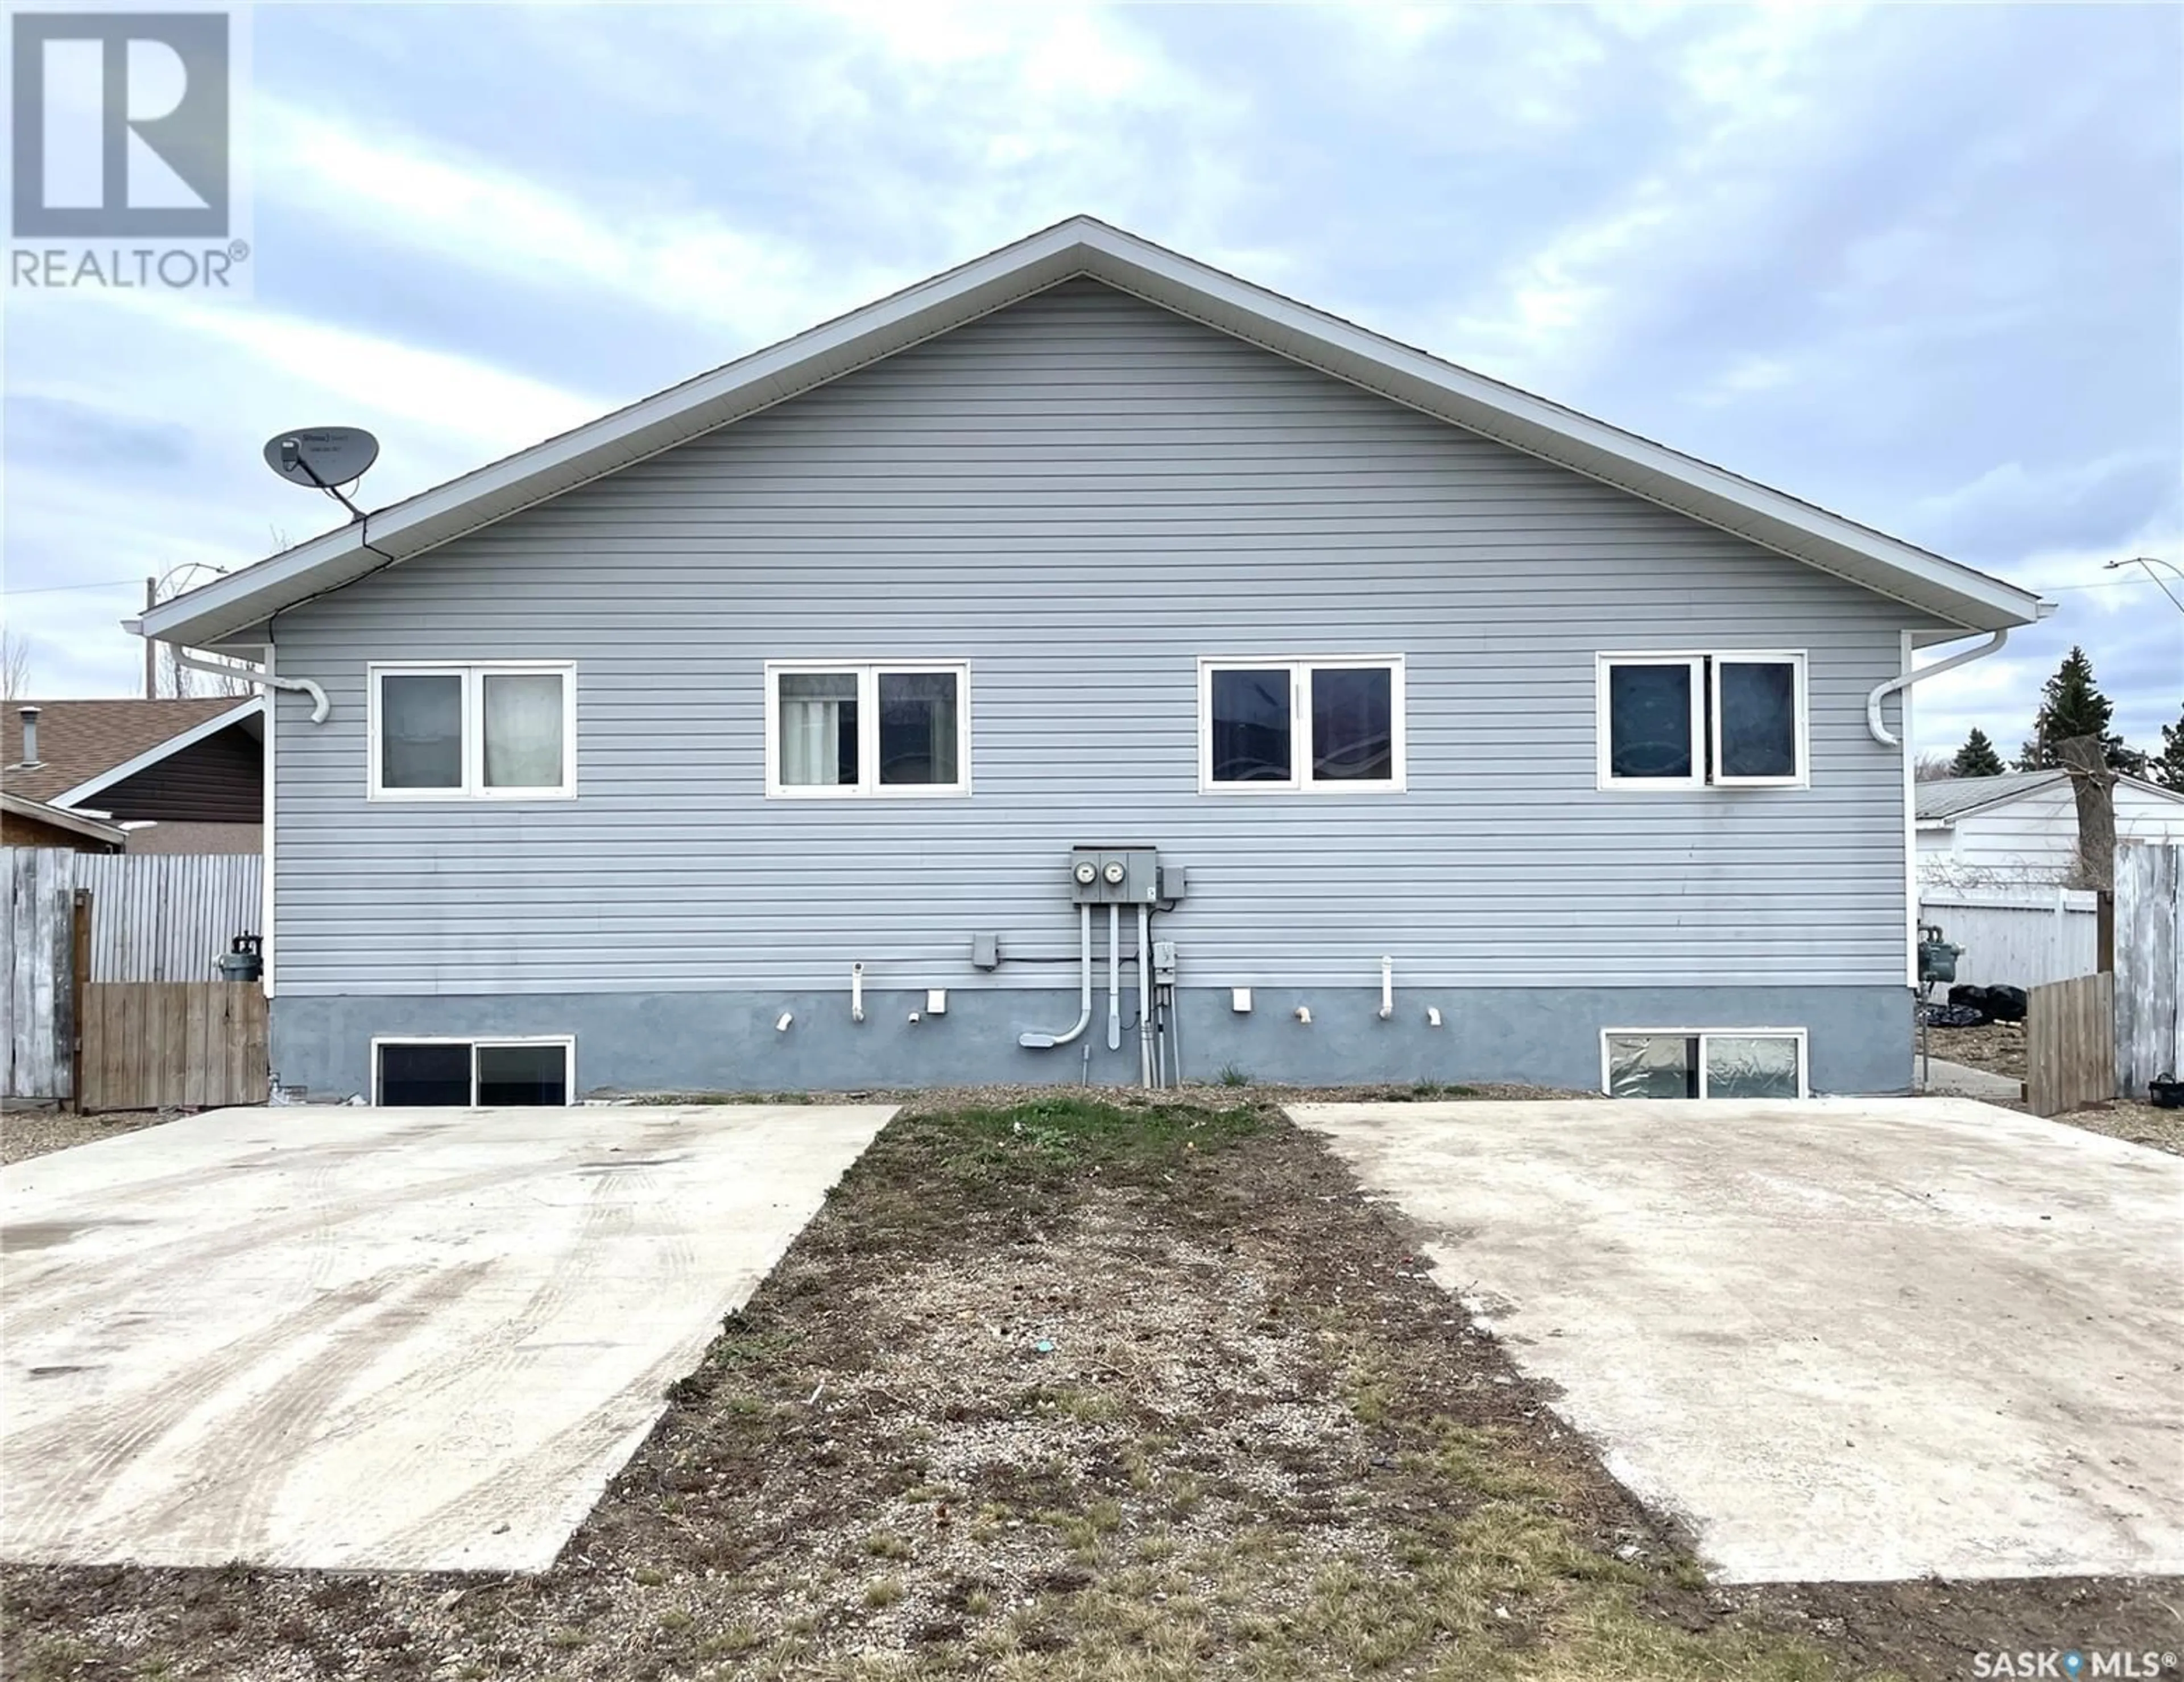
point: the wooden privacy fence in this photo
(168, 917)
(2069, 1044)
(149, 917)
(159, 1045)
(2149, 964)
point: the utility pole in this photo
(150, 648)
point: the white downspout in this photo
(1881, 691)
(1387, 989)
(259, 674)
(1114, 977)
(1145, 995)
(1041, 1042)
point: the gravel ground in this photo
(25, 1133)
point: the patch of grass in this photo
(1051, 1139)
(1435, 1088)
(886, 1545)
(883, 1591)
(1230, 1075)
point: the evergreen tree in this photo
(2072, 704)
(1977, 757)
(2167, 766)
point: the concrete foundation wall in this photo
(1860, 1037)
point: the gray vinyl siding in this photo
(1080, 495)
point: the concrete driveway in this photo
(1846, 1339)
(353, 1338)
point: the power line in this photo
(48, 589)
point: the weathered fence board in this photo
(156, 1045)
(168, 917)
(2069, 1044)
(2016, 937)
(39, 1028)
(2150, 959)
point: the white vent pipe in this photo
(1036, 1041)
(258, 674)
(1387, 989)
(857, 993)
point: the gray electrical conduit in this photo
(255, 674)
(1144, 996)
(1036, 1041)
(1879, 731)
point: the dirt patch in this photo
(28, 1132)
(1128, 1389)
(1996, 1047)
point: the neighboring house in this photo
(33, 823)
(741, 738)
(178, 776)
(2020, 829)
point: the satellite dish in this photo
(321, 456)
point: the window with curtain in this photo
(522, 729)
(503, 730)
(818, 713)
(1317, 724)
(868, 728)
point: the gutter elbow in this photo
(1878, 730)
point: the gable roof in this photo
(1945, 799)
(1084, 247)
(85, 746)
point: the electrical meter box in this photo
(1114, 876)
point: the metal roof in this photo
(1081, 246)
(1949, 797)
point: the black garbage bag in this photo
(1950, 1016)
(1972, 999)
(2005, 1004)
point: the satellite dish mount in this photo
(325, 458)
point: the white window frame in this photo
(1706, 718)
(567, 1042)
(868, 785)
(1702, 1035)
(1300, 779)
(473, 674)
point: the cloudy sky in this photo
(1922, 266)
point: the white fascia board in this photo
(1081, 246)
(241, 712)
(46, 811)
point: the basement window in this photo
(872, 729)
(1696, 721)
(1323, 724)
(468, 1073)
(500, 731)
(1758, 1062)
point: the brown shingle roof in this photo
(79, 739)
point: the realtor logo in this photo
(120, 125)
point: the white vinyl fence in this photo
(154, 916)
(2016, 937)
